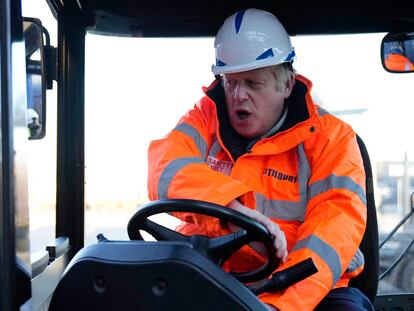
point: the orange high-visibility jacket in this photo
(308, 178)
(398, 62)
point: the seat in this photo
(367, 280)
(138, 276)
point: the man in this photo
(397, 61)
(258, 144)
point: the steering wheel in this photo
(217, 249)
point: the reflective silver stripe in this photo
(169, 172)
(215, 149)
(336, 182)
(322, 112)
(357, 261)
(286, 210)
(304, 173)
(195, 135)
(326, 252)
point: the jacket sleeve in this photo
(334, 222)
(177, 167)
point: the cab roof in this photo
(166, 18)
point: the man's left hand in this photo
(273, 228)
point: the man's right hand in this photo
(279, 237)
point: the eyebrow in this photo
(248, 76)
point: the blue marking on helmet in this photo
(219, 63)
(289, 57)
(396, 51)
(238, 20)
(266, 54)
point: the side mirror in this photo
(397, 52)
(35, 78)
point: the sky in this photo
(136, 90)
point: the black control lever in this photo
(285, 278)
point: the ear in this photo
(289, 86)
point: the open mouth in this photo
(243, 114)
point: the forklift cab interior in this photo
(159, 276)
(92, 267)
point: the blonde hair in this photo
(282, 73)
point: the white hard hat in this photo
(251, 39)
(31, 114)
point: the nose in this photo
(240, 93)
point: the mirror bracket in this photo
(50, 53)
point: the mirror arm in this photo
(50, 53)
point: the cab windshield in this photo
(137, 89)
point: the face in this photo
(253, 102)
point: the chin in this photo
(247, 135)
